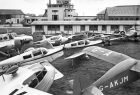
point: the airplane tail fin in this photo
(46, 44)
(83, 81)
(44, 37)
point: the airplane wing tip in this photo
(75, 55)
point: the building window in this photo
(91, 27)
(126, 18)
(54, 17)
(127, 27)
(137, 18)
(68, 27)
(39, 27)
(103, 27)
(54, 10)
(121, 18)
(82, 27)
(54, 27)
(114, 27)
(95, 28)
(116, 18)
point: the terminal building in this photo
(61, 17)
(11, 16)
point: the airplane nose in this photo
(28, 39)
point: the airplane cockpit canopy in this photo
(35, 79)
(87, 42)
(40, 51)
(35, 53)
(44, 51)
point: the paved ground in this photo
(62, 87)
(98, 67)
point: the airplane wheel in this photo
(109, 43)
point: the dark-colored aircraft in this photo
(126, 70)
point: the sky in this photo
(83, 7)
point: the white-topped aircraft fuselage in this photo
(34, 79)
(32, 56)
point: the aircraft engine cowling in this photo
(18, 43)
(122, 33)
(12, 70)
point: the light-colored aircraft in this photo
(30, 56)
(130, 34)
(7, 36)
(126, 70)
(81, 43)
(14, 44)
(34, 79)
(54, 40)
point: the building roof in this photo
(118, 22)
(127, 10)
(11, 12)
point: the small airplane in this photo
(130, 34)
(57, 40)
(94, 40)
(34, 79)
(81, 43)
(31, 56)
(7, 36)
(126, 70)
(77, 37)
(14, 44)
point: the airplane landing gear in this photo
(106, 43)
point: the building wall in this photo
(72, 27)
(59, 12)
(15, 19)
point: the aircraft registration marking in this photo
(115, 83)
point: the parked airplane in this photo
(34, 79)
(81, 43)
(7, 36)
(54, 40)
(131, 33)
(14, 44)
(30, 56)
(77, 37)
(126, 70)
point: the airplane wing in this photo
(122, 63)
(75, 55)
(112, 39)
(30, 91)
(105, 54)
(6, 43)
